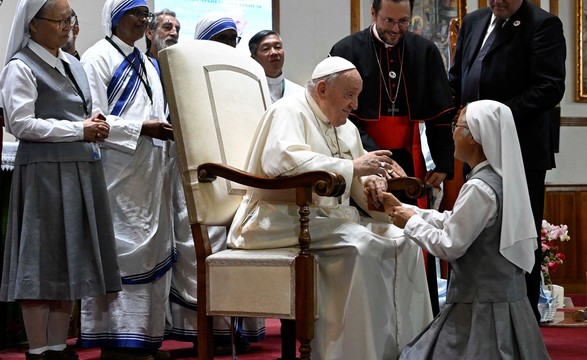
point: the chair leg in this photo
(233, 331)
(288, 340)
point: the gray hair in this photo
(153, 23)
(328, 79)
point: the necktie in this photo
(77, 88)
(470, 90)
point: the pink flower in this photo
(551, 236)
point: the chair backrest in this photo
(217, 95)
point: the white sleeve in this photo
(449, 234)
(124, 133)
(18, 88)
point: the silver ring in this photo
(382, 164)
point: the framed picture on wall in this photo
(432, 19)
(581, 48)
(436, 20)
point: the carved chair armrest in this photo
(414, 187)
(323, 183)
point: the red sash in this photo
(398, 132)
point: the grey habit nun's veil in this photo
(19, 32)
(492, 125)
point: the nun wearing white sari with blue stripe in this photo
(217, 26)
(126, 88)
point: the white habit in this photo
(136, 170)
(372, 295)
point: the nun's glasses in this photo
(63, 24)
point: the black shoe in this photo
(29, 356)
(69, 354)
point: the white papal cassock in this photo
(372, 296)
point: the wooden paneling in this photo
(568, 205)
(355, 16)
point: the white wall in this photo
(309, 29)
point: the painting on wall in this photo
(581, 38)
(432, 19)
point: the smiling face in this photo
(270, 55)
(49, 33)
(392, 20)
(132, 25)
(338, 97)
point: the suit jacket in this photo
(524, 69)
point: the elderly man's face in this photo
(133, 24)
(340, 97)
(166, 33)
(270, 55)
(392, 20)
(503, 9)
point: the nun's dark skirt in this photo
(60, 242)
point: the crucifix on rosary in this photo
(391, 109)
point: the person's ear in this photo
(75, 31)
(149, 33)
(373, 15)
(33, 27)
(321, 88)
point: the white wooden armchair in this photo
(216, 97)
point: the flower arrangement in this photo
(552, 258)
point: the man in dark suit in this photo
(523, 67)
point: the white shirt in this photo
(280, 87)
(18, 87)
(449, 234)
(100, 63)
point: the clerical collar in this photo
(376, 36)
(275, 81)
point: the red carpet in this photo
(562, 344)
(269, 348)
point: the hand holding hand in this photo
(374, 190)
(399, 215)
(96, 129)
